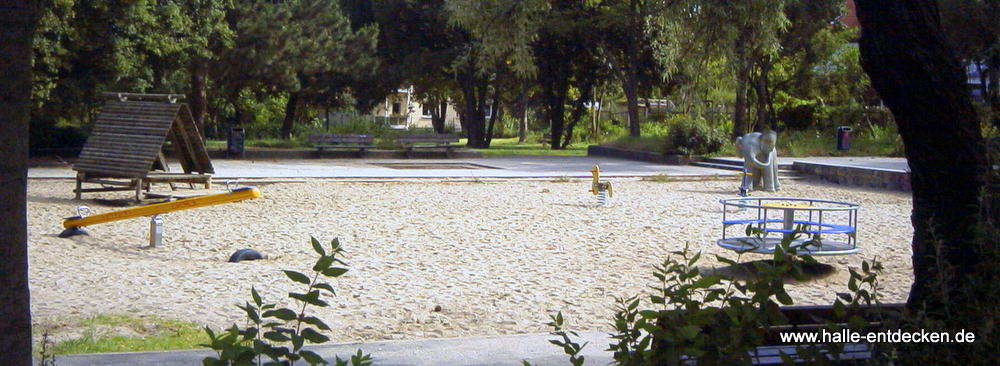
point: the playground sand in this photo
(427, 259)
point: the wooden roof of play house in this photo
(130, 131)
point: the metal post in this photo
(155, 231)
(788, 222)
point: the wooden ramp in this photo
(126, 145)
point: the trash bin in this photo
(234, 145)
(843, 138)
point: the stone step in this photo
(786, 164)
(723, 166)
(781, 169)
(782, 173)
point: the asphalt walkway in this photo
(507, 350)
(494, 167)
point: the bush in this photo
(56, 136)
(272, 330)
(709, 319)
(694, 138)
(798, 117)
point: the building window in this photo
(396, 108)
(426, 112)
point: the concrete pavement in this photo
(498, 167)
(494, 167)
(867, 162)
(508, 350)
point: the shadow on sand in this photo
(745, 271)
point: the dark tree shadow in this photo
(746, 271)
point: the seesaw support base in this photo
(73, 231)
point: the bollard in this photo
(155, 231)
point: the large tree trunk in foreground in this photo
(17, 26)
(922, 82)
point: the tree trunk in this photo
(291, 109)
(198, 98)
(495, 108)
(579, 107)
(554, 95)
(742, 79)
(554, 91)
(18, 20)
(993, 92)
(922, 82)
(630, 88)
(326, 115)
(763, 117)
(522, 128)
(439, 112)
(595, 127)
(474, 90)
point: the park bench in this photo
(546, 139)
(322, 141)
(428, 141)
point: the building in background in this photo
(401, 111)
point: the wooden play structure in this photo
(125, 148)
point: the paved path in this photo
(500, 167)
(855, 161)
(496, 167)
(474, 351)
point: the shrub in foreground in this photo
(276, 336)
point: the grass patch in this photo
(869, 141)
(872, 141)
(510, 147)
(124, 333)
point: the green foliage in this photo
(272, 330)
(510, 147)
(694, 137)
(710, 319)
(83, 48)
(642, 143)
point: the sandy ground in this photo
(496, 257)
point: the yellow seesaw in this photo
(73, 224)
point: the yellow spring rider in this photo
(602, 190)
(73, 225)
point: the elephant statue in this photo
(760, 161)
